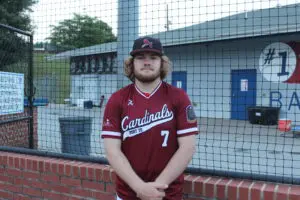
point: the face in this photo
(147, 67)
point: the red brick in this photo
(110, 188)
(54, 168)
(35, 165)
(269, 191)
(30, 175)
(75, 171)
(22, 163)
(106, 175)
(82, 192)
(11, 162)
(98, 174)
(221, 189)
(91, 173)
(294, 193)
(13, 188)
(256, 190)
(17, 163)
(28, 164)
(83, 172)
(39, 185)
(21, 197)
(5, 178)
(92, 185)
(61, 189)
(2, 170)
(209, 187)
(41, 166)
(68, 170)
(282, 192)
(14, 172)
(244, 190)
(113, 177)
(232, 189)
(47, 167)
(50, 178)
(32, 192)
(61, 169)
(3, 160)
(198, 185)
(70, 181)
(103, 196)
(6, 195)
(188, 185)
(51, 195)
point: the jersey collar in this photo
(152, 93)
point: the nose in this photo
(146, 61)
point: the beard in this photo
(146, 79)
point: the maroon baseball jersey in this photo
(149, 126)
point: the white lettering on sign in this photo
(11, 93)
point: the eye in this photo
(139, 57)
(154, 57)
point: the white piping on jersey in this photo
(152, 93)
(187, 130)
(140, 125)
(111, 133)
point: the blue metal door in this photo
(243, 92)
(179, 79)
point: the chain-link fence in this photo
(16, 119)
(237, 61)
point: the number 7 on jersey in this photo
(165, 134)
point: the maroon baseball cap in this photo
(147, 44)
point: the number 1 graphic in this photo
(283, 64)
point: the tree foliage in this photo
(14, 13)
(81, 31)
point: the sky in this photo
(152, 15)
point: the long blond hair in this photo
(164, 70)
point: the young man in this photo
(149, 128)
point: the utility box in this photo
(263, 115)
(88, 104)
(76, 135)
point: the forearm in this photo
(176, 165)
(123, 169)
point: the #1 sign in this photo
(11, 93)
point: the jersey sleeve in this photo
(185, 116)
(111, 119)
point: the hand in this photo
(151, 191)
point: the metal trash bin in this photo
(75, 135)
(263, 115)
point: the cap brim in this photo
(132, 53)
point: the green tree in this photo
(80, 31)
(14, 13)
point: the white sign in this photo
(244, 85)
(11, 93)
(277, 62)
(179, 84)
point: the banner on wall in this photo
(11, 93)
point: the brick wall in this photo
(32, 177)
(15, 134)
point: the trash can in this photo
(75, 134)
(263, 115)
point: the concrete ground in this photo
(227, 145)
